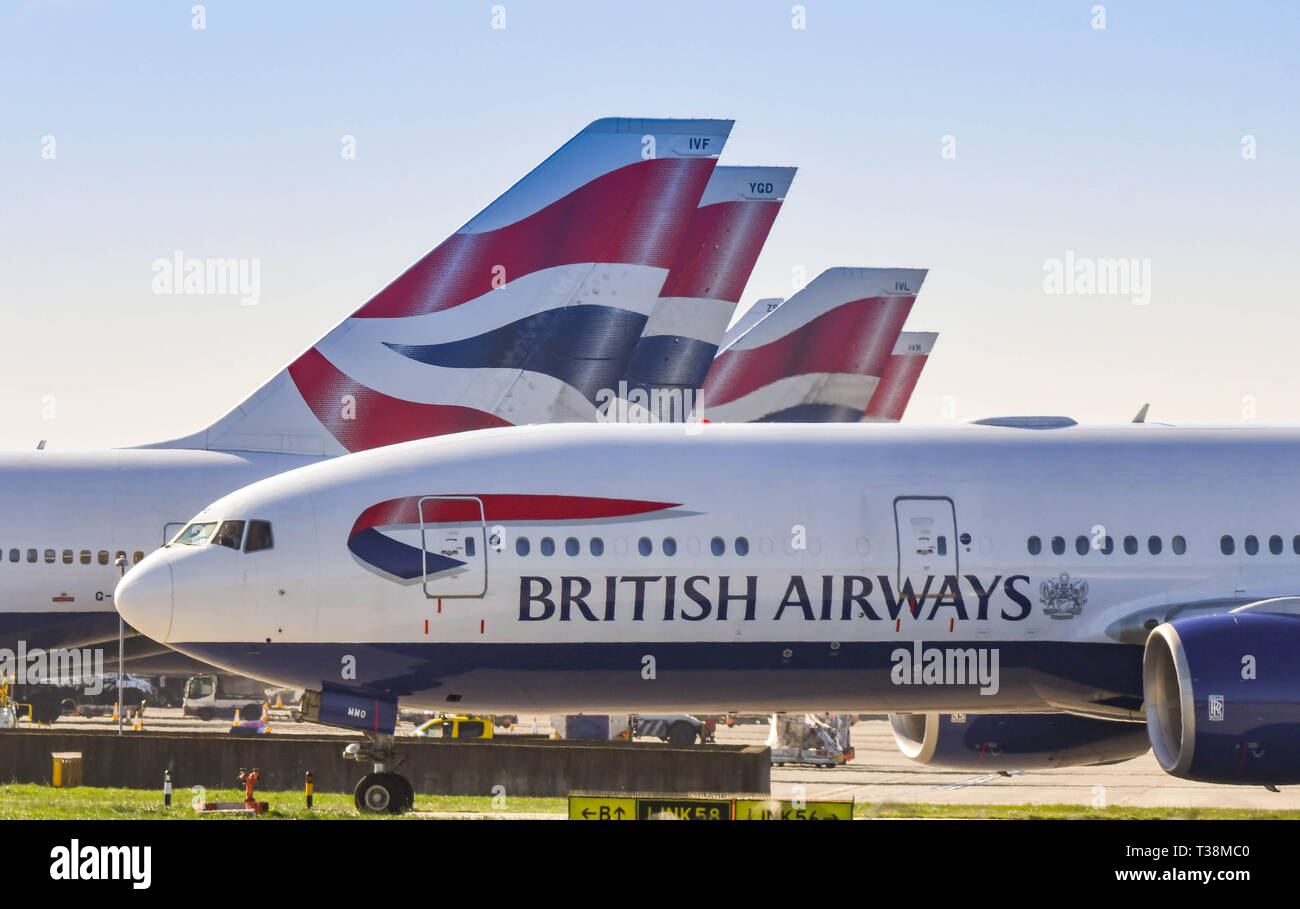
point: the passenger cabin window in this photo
(135, 559)
(469, 546)
(571, 546)
(1275, 544)
(1107, 545)
(1226, 546)
(1153, 545)
(1058, 545)
(742, 546)
(644, 546)
(941, 543)
(1081, 544)
(718, 546)
(521, 546)
(1295, 544)
(85, 557)
(548, 546)
(1252, 545)
(670, 546)
(597, 546)
(230, 535)
(103, 557)
(1178, 544)
(67, 557)
(49, 557)
(1131, 545)
(31, 555)
(259, 536)
(195, 534)
(1034, 545)
(15, 555)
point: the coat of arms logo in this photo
(1063, 598)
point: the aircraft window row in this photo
(1106, 545)
(1228, 544)
(253, 535)
(71, 556)
(645, 546)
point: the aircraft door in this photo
(927, 536)
(453, 536)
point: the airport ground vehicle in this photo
(675, 728)
(455, 726)
(212, 696)
(805, 740)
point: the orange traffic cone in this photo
(236, 720)
(265, 711)
(279, 704)
(115, 713)
(139, 722)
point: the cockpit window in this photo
(195, 534)
(230, 534)
(259, 536)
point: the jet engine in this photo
(1222, 697)
(1017, 741)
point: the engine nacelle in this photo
(1016, 741)
(1222, 697)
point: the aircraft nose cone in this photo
(144, 598)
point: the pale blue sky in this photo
(1122, 142)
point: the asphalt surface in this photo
(879, 772)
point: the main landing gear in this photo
(380, 792)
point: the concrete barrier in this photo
(524, 766)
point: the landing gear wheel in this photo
(681, 734)
(380, 793)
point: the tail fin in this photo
(899, 380)
(819, 356)
(759, 310)
(709, 273)
(511, 320)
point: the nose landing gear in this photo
(380, 792)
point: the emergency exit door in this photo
(927, 537)
(453, 537)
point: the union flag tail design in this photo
(819, 356)
(521, 316)
(901, 374)
(708, 276)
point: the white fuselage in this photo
(841, 522)
(66, 516)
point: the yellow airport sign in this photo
(790, 810)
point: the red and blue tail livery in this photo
(519, 317)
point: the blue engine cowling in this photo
(1017, 741)
(1222, 697)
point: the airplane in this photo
(504, 322)
(713, 265)
(746, 320)
(1065, 593)
(898, 381)
(817, 357)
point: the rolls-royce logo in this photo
(1063, 598)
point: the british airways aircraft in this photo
(817, 357)
(1076, 592)
(508, 321)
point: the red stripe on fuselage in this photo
(501, 507)
(635, 215)
(855, 338)
(370, 418)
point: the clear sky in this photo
(225, 141)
